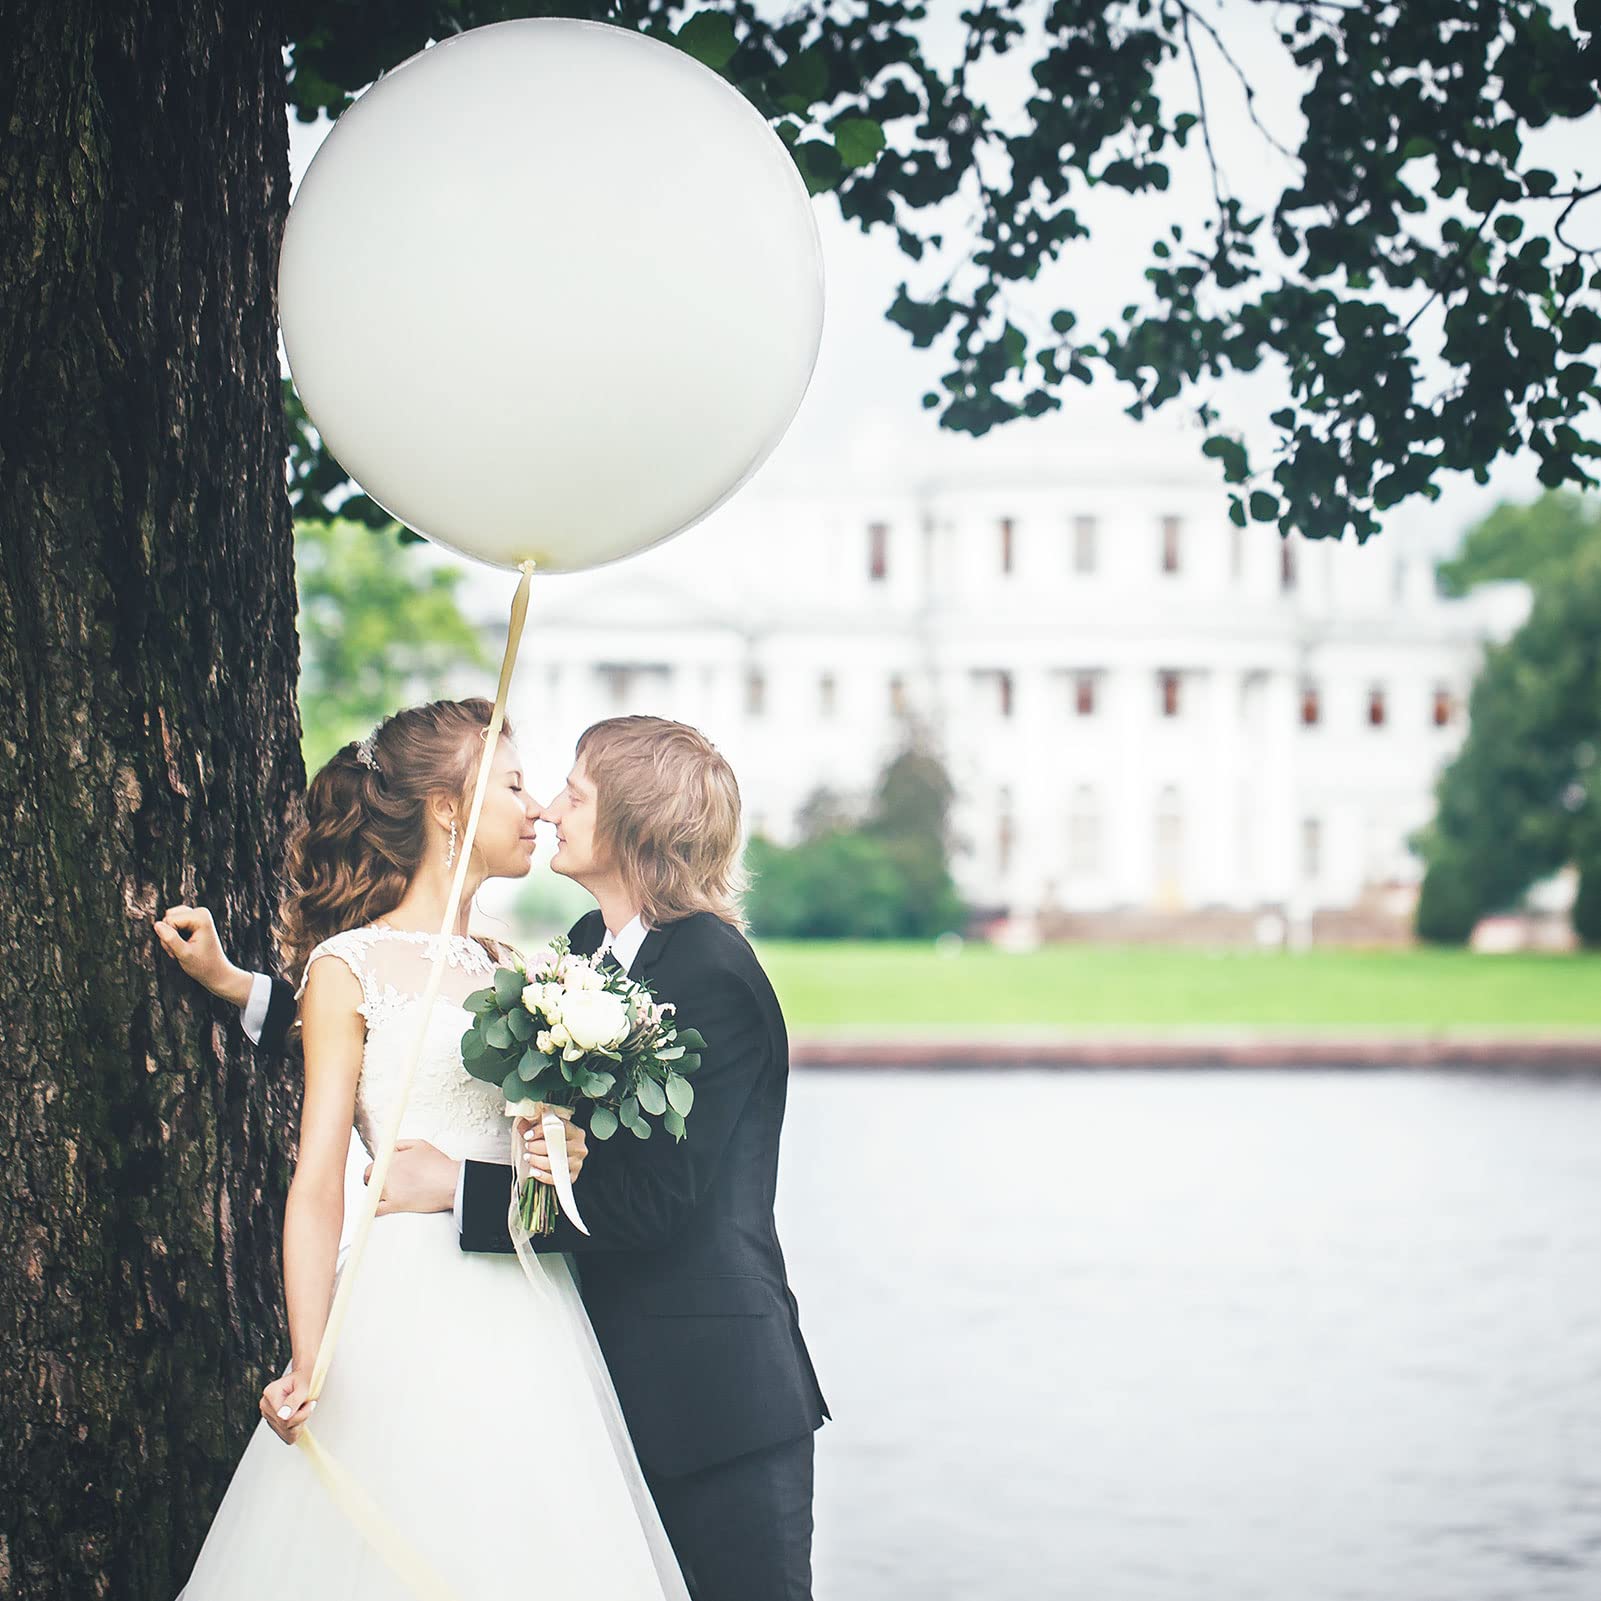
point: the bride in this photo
(470, 1405)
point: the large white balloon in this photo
(553, 290)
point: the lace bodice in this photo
(460, 1114)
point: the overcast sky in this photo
(864, 406)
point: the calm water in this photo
(1202, 1336)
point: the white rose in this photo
(560, 1037)
(543, 1042)
(595, 1019)
(532, 994)
(579, 977)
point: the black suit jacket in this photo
(682, 1274)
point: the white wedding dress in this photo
(472, 1406)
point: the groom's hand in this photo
(189, 937)
(421, 1179)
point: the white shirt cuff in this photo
(253, 1014)
(461, 1183)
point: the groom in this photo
(681, 1274)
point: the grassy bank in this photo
(869, 989)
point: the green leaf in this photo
(640, 1130)
(673, 1123)
(681, 1093)
(819, 165)
(691, 1039)
(708, 36)
(508, 987)
(858, 141)
(596, 1085)
(496, 1033)
(652, 1097)
(531, 1065)
(520, 1024)
(602, 1123)
(512, 1086)
(480, 1000)
(472, 1044)
(688, 1063)
(1264, 507)
(628, 1112)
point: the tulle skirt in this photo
(475, 1409)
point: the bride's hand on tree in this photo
(421, 1178)
(536, 1153)
(189, 937)
(285, 1406)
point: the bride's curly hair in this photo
(363, 830)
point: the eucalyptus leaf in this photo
(533, 1063)
(520, 1024)
(509, 987)
(692, 1039)
(602, 1123)
(496, 1033)
(673, 1122)
(651, 1097)
(480, 1000)
(472, 1044)
(681, 1093)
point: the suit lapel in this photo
(650, 951)
(589, 931)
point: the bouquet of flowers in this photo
(559, 1029)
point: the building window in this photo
(1170, 544)
(877, 551)
(1008, 545)
(1084, 834)
(1084, 545)
(1084, 694)
(827, 695)
(1168, 685)
(1311, 704)
(1311, 848)
(1378, 712)
(1286, 565)
(1444, 706)
(897, 696)
(755, 693)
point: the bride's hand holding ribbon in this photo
(285, 1404)
(535, 1162)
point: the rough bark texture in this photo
(148, 752)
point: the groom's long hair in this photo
(667, 814)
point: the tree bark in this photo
(149, 753)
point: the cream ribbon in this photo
(407, 1563)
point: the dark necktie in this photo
(608, 961)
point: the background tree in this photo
(887, 877)
(375, 633)
(1415, 231)
(1523, 795)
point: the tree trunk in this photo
(149, 753)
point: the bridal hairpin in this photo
(364, 753)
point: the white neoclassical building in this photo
(1142, 707)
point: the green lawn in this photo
(863, 989)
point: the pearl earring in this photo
(450, 855)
